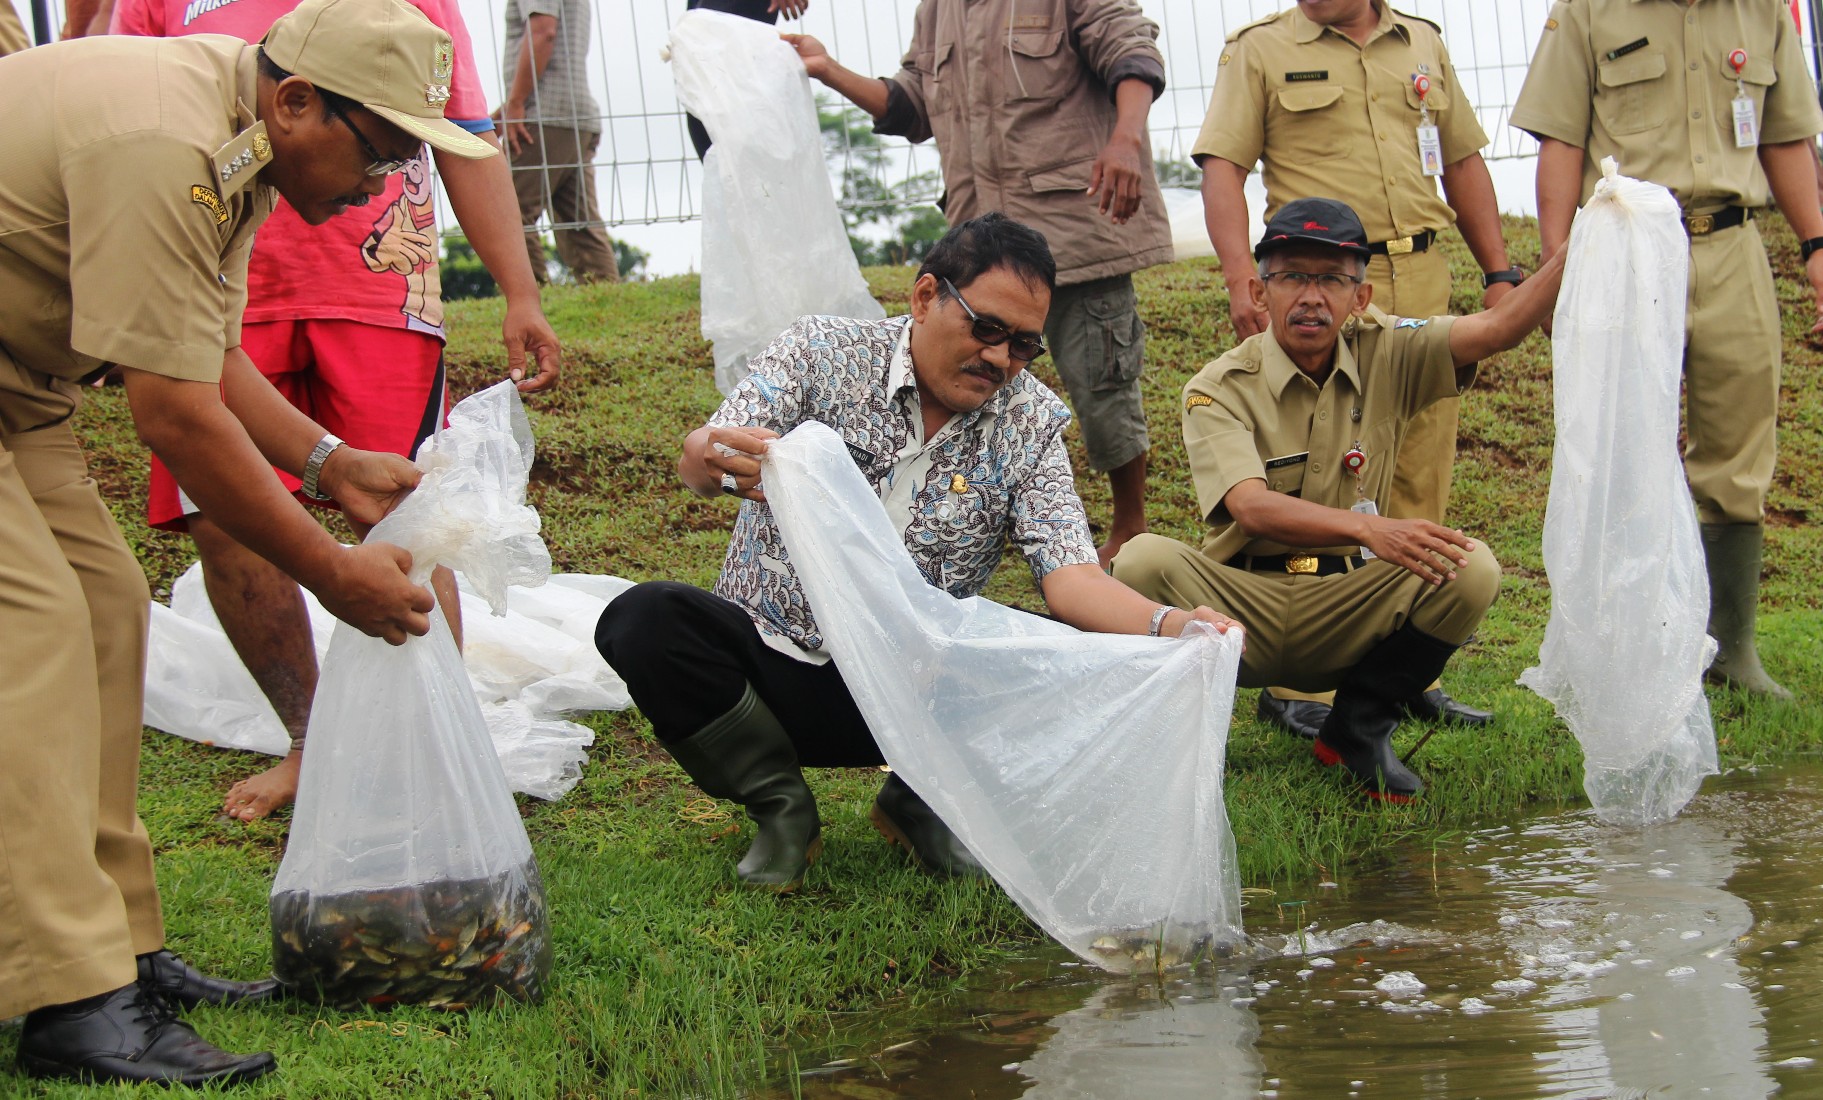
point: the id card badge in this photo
(1430, 149)
(1746, 123)
(1365, 507)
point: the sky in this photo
(649, 184)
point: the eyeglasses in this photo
(993, 333)
(1329, 282)
(382, 165)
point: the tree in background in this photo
(464, 277)
(902, 225)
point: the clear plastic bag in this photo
(1083, 770)
(1625, 648)
(774, 246)
(409, 878)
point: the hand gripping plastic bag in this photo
(1084, 771)
(1625, 649)
(774, 246)
(409, 878)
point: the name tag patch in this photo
(1309, 77)
(1287, 460)
(1631, 47)
(209, 200)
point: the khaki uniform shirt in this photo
(1648, 82)
(1019, 95)
(127, 212)
(1253, 414)
(12, 32)
(1330, 118)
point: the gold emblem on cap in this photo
(262, 148)
(436, 95)
(443, 62)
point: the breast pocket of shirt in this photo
(1309, 123)
(1757, 76)
(1630, 95)
(1287, 476)
(1038, 67)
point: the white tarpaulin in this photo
(774, 247)
(1083, 770)
(1625, 648)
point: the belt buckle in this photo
(1303, 565)
(1399, 246)
(1700, 224)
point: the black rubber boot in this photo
(1358, 735)
(904, 820)
(1732, 552)
(129, 1034)
(186, 987)
(745, 757)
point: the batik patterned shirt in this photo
(988, 477)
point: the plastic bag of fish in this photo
(409, 878)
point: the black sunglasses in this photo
(382, 165)
(993, 333)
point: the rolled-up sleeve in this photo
(1117, 42)
(1047, 521)
(907, 114)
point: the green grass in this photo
(671, 982)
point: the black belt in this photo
(1400, 246)
(1304, 565)
(1698, 225)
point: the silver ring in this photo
(729, 485)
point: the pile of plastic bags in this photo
(774, 246)
(1083, 770)
(1625, 648)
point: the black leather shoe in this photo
(186, 987)
(1435, 705)
(904, 820)
(1298, 717)
(131, 1034)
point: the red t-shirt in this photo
(376, 264)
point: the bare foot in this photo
(258, 795)
(1117, 538)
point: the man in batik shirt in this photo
(966, 451)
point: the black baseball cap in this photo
(1314, 221)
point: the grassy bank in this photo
(669, 982)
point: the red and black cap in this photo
(1314, 221)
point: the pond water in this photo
(1550, 957)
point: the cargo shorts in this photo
(1098, 346)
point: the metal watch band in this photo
(313, 466)
(1158, 620)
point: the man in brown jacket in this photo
(1039, 110)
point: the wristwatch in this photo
(1512, 275)
(1805, 248)
(1158, 619)
(313, 466)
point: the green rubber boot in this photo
(745, 757)
(1732, 553)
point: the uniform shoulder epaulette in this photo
(1245, 27)
(237, 162)
(1431, 23)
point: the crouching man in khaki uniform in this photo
(133, 174)
(1292, 438)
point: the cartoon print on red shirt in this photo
(404, 242)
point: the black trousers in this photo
(750, 9)
(687, 655)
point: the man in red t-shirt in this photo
(346, 320)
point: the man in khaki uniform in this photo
(132, 177)
(1711, 100)
(12, 32)
(1291, 438)
(1330, 97)
(1039, 109)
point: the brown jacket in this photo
(1020, 97)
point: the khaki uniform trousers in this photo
(1418, 285)
(1306, 631)
(556, 172)
(77, 896)
(1732, 354)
